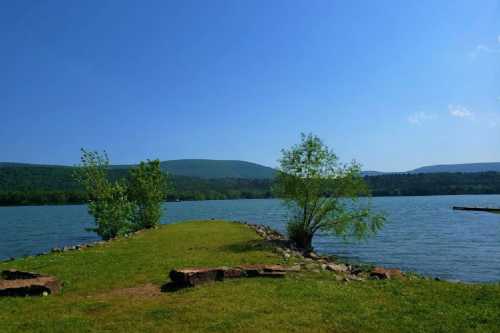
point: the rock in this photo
(191, 277)
(19, 283)
(264, 270)
(323, 267)
(339, 268)
(231, 273)
(385, 273)
(313, 256)
(281, 250)
(311, 266)
(352, 277)
(356, 270)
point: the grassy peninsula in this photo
(116, 287)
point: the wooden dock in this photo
(478, 209)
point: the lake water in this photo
(422, 234)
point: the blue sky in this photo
(393, 84)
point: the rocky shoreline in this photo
(311, 261)
(76, 247)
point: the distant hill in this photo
(23, 184)
(199, 168)
(30, 165)
(444, 168)
(464, 168)
(372, 173)
(212, 169)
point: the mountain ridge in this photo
(215, 169)
(199, 168)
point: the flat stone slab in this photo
(19, 283)
(190, 277)
(264, 270)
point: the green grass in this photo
(97, 294)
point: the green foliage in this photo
(109, 204)
(322, 194)
(114, 214)
(147, 189)
(25, 185)
(120, 207)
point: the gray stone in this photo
(339, 268)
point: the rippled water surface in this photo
(422, 234)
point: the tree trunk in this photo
(304, 240)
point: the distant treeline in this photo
(55, 185)
(434, 184)
(41, 185)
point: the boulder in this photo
(338, 268)
(190, 277)
(19, 283)
(313, 255)
(385, 273)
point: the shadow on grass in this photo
(171, 287)
(254, 245)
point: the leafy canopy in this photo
(119, 207)
(322, 194)
(147, 190)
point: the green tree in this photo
(322, 194)
(147, 189)
(108, 202)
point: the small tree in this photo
(147, 189)
(109, 205)
(322, 194)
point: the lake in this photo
(422, 234)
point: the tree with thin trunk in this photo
(109, 203)
(147, 189)
(322, 194)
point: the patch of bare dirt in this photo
(144, 291)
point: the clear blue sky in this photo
(394, 84)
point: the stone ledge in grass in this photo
(190, 277)
(19, 283)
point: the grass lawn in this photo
(115, 287)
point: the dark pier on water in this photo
(478, 209)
